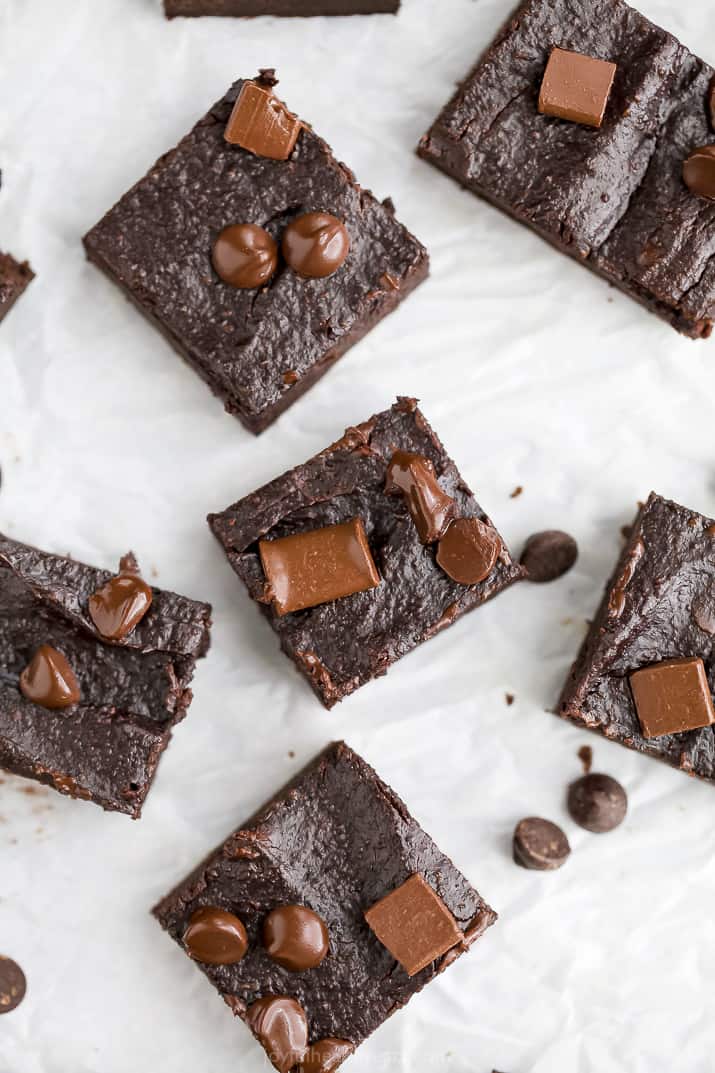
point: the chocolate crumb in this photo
(509, 698)
(517, 492)
(585, 755)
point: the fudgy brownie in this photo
(14, 278)
(646, 671)
(214, 210)
(94, 674)
(389, 507)
(613, 196)
(280, 7)
(324, 914)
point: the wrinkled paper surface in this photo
(535, 374)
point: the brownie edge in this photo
(295, 8)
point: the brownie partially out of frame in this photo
(280, 7)
(260, 349)
(14, 278)
(106, 746)
(613, 198)
(658, 614)
(344, 643)
(335, 841)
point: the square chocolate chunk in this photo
(646, 672)
(342, 644)
(14, 278)
(258, 349)
(333, 842)
(414, 924)
(576, 87)
(242, 8)
(612, 198)
(104, 709)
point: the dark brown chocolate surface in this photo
(280, 7)
(106, 747)
(655, 608)
(341, 645)
(612, 198)
(336, 840)
(157, 244)
(14, 278)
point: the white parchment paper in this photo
(534, 373)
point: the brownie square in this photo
(342, 644)
(335, 840)
(613, 198)
(658, 606)
(14, 278)
(280, 7)
(106, 747)
(258, 350)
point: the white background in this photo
(533, 372)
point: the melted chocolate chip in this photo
(597, 802)
(215, 937)
(326, 1055)
(549, 555)
(280, 1024)
(699, 172)
(245, 256)
(540, 845)
(413, 476)
(295, 937)
(468, 551)
(13, 985)
(48, 680)
(315, 245)
(120, 605)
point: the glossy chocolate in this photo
(414, 924)
(468, 551)
(245, 256)
(672, 697)
(262, 124)
(576, 87)
(314, 568)
(326, 1055)
(120, 605)
(13, 985)
(48, 680)
(315, 245)
(280, 1024)
(215, 937)
(413, 476)
(699, 172)
(295, 937)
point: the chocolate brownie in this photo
(257, 348)
(94, 674)
(614, 198)
(14, 278)
(649, 657)
(413, 578)
(280, 7)
(292, 920)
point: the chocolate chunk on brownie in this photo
(14, 278)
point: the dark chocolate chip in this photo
(540, 845)
(413, 477)
(699, 172)
(295, 937)
(549, 555)
(597, 802)
(282, 1027)
(215, 937)
(121, 604)
(49, 680)
(13, 985)
(245, 256)
(468, 551)
(315, 244)
(326, 1055)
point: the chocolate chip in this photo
(315, 244)
(326, 1055)
(414, 924)
(48, 680)
(282, 1027)
(245, 256)
(215, 937)
(597, 802)
(413, 477)
(295, 937)
(13, 985)
(261, 123)
(120, 605)
(576, 87)
(699, 172)
(468, 551)
(549, 555)
(540, 845)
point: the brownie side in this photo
(280, 7)
(612, 198)
(336, 839)
(658, 605)
(257, 350)
(14, 278)
(107, 747)
(341, 645)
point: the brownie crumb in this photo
(517, 492)
(509, 698)
(585, 755)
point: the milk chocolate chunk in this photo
(282, 1027)
(672, 697)
(295, 937)
(699, 172)
(120, 605)
(315, 245)
(413, 476)
(314, 568)
(215, 937)
(262, 124)
(48, 680)
(326, 1055)
(540, 845)
(245, 256)
(576, 87)
(13, 985)
(414, 924)
(468, 551)
(597, 803)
